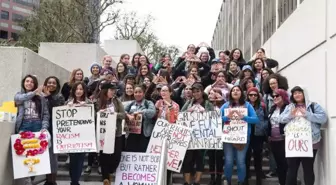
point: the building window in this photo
(3, 34)
(4, 15)
(15, 36)
(17, 17)
(285, 9)
(29, 3)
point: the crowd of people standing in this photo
(195, 81)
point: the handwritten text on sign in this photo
(134, 126)
(74, 129)
(106, 130)
(178, 138)
(137, 168)
(299, 138)
(235, 131)
(206, 129)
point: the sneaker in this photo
(99, 170)
(106, 182)
(225, 182)
(88, 169)
(271, 174)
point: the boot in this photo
(106, 182)
(87, 170)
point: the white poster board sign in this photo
(235, 131)
(206, 129)
(137, 168)
(74, 129)
(39, 164)
(299, 138)
(106, 131)
(178, 137)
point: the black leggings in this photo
(216, 162)
(255, 149)
(308, 169)
(191, 158)
(279, 152)
(110, 162)
(136, 143)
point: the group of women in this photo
(196, 81)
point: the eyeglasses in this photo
(253, 95)
(275, 96)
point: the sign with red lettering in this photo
(74, 129)
(178, 137)
(134, 126)
(299, 138)
(137, 168)
(106, 131)
(206, 129)
(235, 131)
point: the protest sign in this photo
(178, 138)
(206, 129)
(134, 126)
(299, 138)
(74, 129)
(137, 169)
(36, 164)
(235, 131)
(106, 131)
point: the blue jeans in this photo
(33, 126)
(231, 153)
(76, 167)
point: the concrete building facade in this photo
(302, 38)
(247, 24)
(13, 11)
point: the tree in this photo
(68, 21)
(131, 27)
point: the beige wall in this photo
(116, 48)
(16, 62)
(6, 167)
(72, 55)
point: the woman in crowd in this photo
(233, 72)
(107, 64)
(269, 63)
(301, 106)
(144, 71)
(125, 59)
(221, 84)
(77, 75)
(109, 103)
(166, 108)
(121, 71)
(276, 136)
(92, 81)
(51, 92)
(135, 63)
(236, 54)
(128, 94)
(198, 103)
(257, 67)
(216, 157)
(265, 73)
(245, 73)
(33, 114)
(237, 151)
(138, 142)
(257, 136)
(78, 98)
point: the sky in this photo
(177, 22)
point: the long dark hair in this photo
(122, 75)
(282, 83)
(241, 100)
(241, 54)
(58, 84)
(36, 99)
(103, 99)
(133, 62)
(73, 92)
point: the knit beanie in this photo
(253, 89)
(283, 94)
(93, 65)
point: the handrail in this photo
(162, 175)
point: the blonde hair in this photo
(73, 74)
(105, 57)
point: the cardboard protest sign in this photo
(38, 164)
(134, 126)
(235, 131)
(74, 129)
(299, 138)
(106, 131)
(137, 168)
(178, 138)
(206, 129)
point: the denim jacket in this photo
(261, 128)
(148, 112)
(318, 118)
(20, 98)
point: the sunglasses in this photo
(253, 95)
(275, 96)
